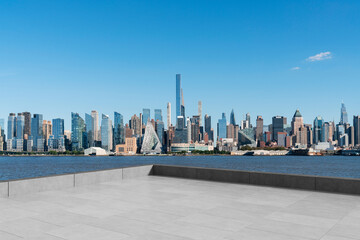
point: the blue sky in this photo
(251, 56)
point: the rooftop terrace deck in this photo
(155, 207)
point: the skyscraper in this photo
(208, 127)
(357, 130)
(95, 125)
(259, 128)
(232, 117)
(296, 122)
(200, 112)
(27, 127)
(158, 115)
(248, 120)
(106, 133)
(89, 129)
(146, 116)
(20, 124)
(159, 125)
(37, 130)
(278, 123)
(11, 129)
(318, 122)
(119, 132)
(178, 95)
(58, 128)
(222, 127)
(135, 124)
(168, 115)
(343, 114)
(325, 132)
(78, 132)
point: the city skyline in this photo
(251, 54)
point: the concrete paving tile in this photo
(9, 236)
(253, 234)
(291, 229)
(64, 218)
(153, 235)
(9, 213)
(240, 215)
(346, 231)
(123, 225)
(216, 222)
(333, 237)
(302, 219)
(85, 232)
(26, 227)
(192, 231)
(151, 216)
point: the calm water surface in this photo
(335, 166)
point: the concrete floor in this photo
(169, 208)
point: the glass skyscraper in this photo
(343, 115)
(318, 123)
(232, 118)
(119, 132)
(78, 135)
(146, 115)
(20, 124)
(89, 129)
(222, 127)
(58, 128)
(158, 115)
(106, 133)
(36, 129)
(178, 95)
(11, 129)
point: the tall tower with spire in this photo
(343, 114)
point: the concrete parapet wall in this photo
(87, 178)
(138, 171)
(57, 182)
(34, 185)
(314, 183)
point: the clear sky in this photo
(263, 57)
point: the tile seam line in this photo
(287, 235)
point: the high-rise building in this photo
(106, 133)
(178, 95)
(89, 130)
(297, 122)
(208, 127)
(221, 132)
(146, 116)
(47, 130)
(135, 124)
(195, 128)
(168, 115)
(58, 127)
(37, 131)
(278, 123)
(11, 129)
(318, 122)
(343, 114)
(325, 132)
(200, 112)
(27, 126)
(119, 133)
(78, 132)
(159, 126)
(248, 120)
(232, 117)
(158, 115)
(357, 130)
(151, 142)
(20, 125)
(259, 128)
(95, 126)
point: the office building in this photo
(168, 115)
(95, 126)
(208, 128)
(119, 132)
(106, 133)
(158, 115)
(221, 128)
(278, 123)
(20, 125)
(318, 122)
(27, 124)
(37, 131)
(11, 128)
(178, 95)
(232, 118)
(343, 114)
(146, 116)
(200, 112)
(78, 132)
(135, 124)
(259, 128)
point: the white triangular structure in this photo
(151, 143)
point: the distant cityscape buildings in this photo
(145, 134)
